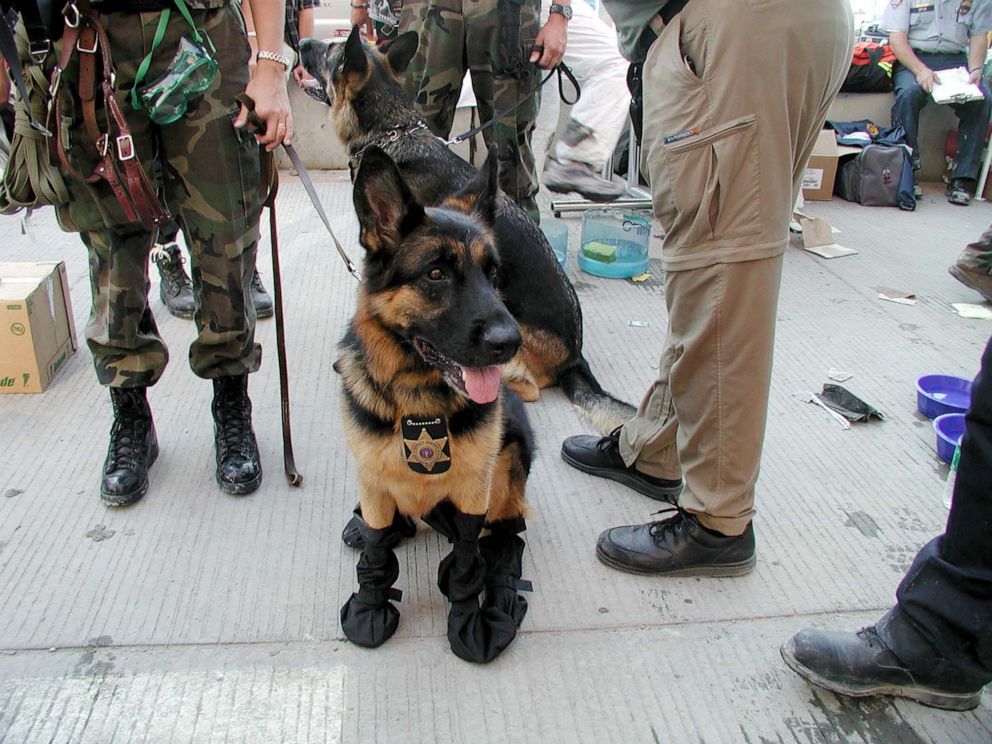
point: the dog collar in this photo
(386, 138)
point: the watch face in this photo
(564, 10)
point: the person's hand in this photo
(360, 18)
(975, 76)
(549, 46)
(301, 76)
(4, 84)
(927, 78)
(268, 90)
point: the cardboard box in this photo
(37, 335)
(818, 178)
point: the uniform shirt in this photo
(631, 18)
(938, 25)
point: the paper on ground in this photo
(967, 310)
(896, 295)
(818, 238)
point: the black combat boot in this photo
(260, 297)
(239, 468)
(133, 448)
(175, 288)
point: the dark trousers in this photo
(973, 117)
(942, 625)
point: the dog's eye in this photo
(493, 274)
(436, 274)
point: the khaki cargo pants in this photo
(735, 92)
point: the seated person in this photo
(932, 35)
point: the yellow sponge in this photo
(602, 252)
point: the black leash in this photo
(561, 68)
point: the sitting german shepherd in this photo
(369, 108)
(434, 433)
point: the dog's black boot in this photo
(239, 467)
(260, 298)
(175, 288)
(402, 526)
(503, 552)
(133, 448)
(368, 618)
(475, 633)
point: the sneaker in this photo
(175, 288)
(564, 177)
(861, 665)
(960, 191)
(917, 190)
(600, 456)
(260, 297)
(973, 278)
(677, 546)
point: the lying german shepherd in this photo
(369, 108)
(435, 435)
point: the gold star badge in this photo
(426, 451)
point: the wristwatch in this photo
(274, 57)
(562, 10)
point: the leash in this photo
(561, 68)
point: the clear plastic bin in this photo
(556, 232)
(615, 242)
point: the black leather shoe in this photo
(133, 448)
(239, 467)
(175, 288)
(260, 298)
(861, 665)
(678, 546)
(601, 456)
(960, 191)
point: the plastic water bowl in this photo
(556, 232)
(940, 394)
(950, 429)
(615, 242)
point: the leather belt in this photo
(118, 163)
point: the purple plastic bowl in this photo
(950, 429)
(940, 394)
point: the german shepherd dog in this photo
(368, 107)
(434, 433)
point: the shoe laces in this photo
(171, 266)
(869, 634)
(671, 524)
(256, 282)
(610, 441)
(233, 416)
(127, 443)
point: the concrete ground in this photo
(194, 616)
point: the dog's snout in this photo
(501, 340)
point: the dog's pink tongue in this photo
(482, 383)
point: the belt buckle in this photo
(84, 50)
(125, 147)
(39, 49)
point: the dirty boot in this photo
(175, 288)
(475, 633)
(368, 618)
(239, 467)
(260, 297)
(564, 176)
(133, 448)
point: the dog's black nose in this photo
(501, 340)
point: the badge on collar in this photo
(965, 8)
(425, 444)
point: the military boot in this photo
(133, 448)
(175, 287)
(239, 467)
(260, 297)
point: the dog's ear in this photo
(386, 209)
(400, 51)
(480, 195)
(354, 53)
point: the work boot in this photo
(175, 288)
(239, 468)
(861, 665)
(565, 176)
(260, 298)
(677, 546)
(133, 448)
(960, 190)
(974, 270)
(600, 456)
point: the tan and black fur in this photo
(429, 317)
(362, 89)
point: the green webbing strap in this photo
(163, 25)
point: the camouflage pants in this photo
(210, 181)
(492, 40)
